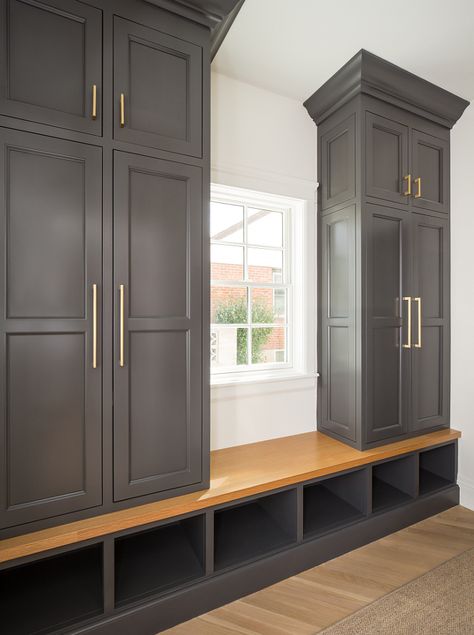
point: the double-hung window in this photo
(252, 285)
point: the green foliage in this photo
(235, 312)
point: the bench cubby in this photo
(254, 529)
(159, 560)
(437, 468)
(200, 551)
(52, 594)
(334, 502)
(393, 483)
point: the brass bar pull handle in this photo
(418, 190)
(418, 301)
(94, 102)
(408, 342)
(122, 110)
(407, 178)
(94, 326)
(121, 327)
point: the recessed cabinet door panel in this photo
(160, 79)
(337, 387)
(431, 334)
(51, 54)
(338, 164)
(387, 158)
(387, 362)
(431, 165)
(158, 376)
(51, 419)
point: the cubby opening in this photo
(334, 502)
(51, 594)
(437, 468)
(393, 483)
(159, 560)
(254, 529)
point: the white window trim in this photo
(299, 302)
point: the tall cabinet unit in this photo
(104, 272)
(383, 288)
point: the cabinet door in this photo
(160, 78)
(386, 158)
(158, 376)
(51, 54)
(50, 393)
(431, 347)
(388, 271)
(430, 158)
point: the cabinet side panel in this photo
(338, 354)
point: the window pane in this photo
(269, 345)
(227, 262)
(229, 305)
(264, 264)
(228, 347)
(265, 228)
(227, 222)
(268, 305)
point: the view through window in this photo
(250, 285)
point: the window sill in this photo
(242, 385)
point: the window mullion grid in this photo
(249, 292)
(250, 285)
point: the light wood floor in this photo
(311, 601)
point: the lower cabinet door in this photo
(50, 391)
(388, 279)
(158, 325)
(430, 353)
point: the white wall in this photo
(462, 298)
(265, 142)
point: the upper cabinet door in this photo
(387, 159)
(430, 157)
(50, 378)
(158, 308)
(157, 89)
(430, 406)
(51, 54)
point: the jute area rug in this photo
(441, 602)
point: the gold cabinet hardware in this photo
(408, 343)
(407, 178)
(121, 328)
(94, 102)
(94, 326)
(122, 110)
(418, 301)
(418, 188)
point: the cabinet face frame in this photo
(41, 327)
(90, 19)
(126, 33)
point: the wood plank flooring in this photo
(309, 602)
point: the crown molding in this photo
(369, 74)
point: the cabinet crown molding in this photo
(369, 74)
(209, 12)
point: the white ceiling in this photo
(291, 47)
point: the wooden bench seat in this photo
(235, 473)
